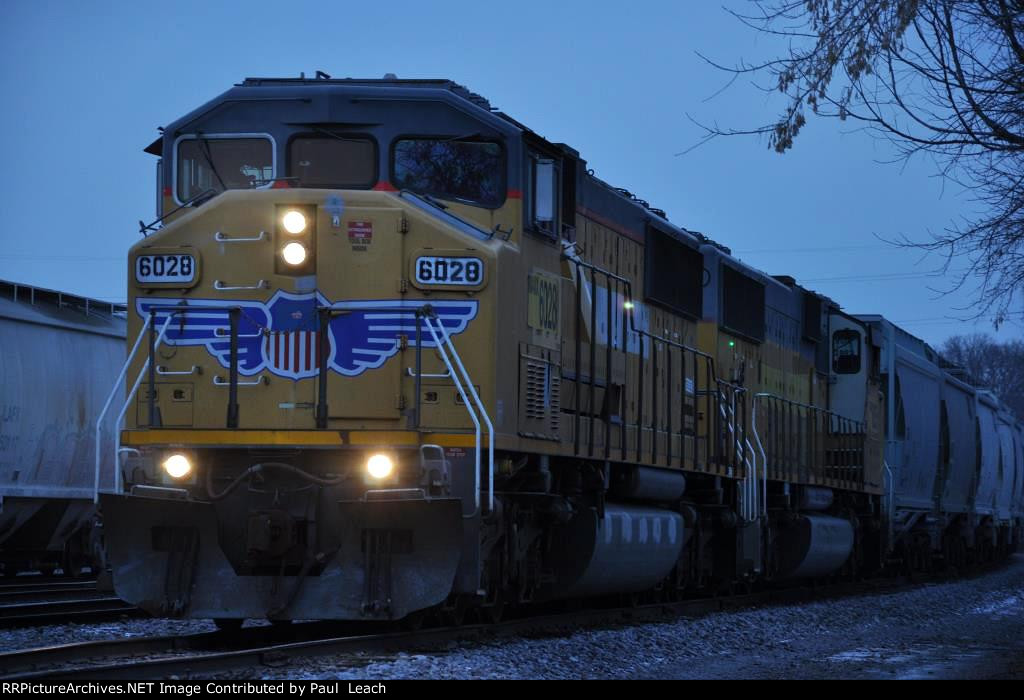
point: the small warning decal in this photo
(334, 206)
(360, 234)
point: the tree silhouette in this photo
(938, 77)
(990, 364)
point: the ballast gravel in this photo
(966, 628)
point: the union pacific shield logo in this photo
(292, 340)
(282, 336)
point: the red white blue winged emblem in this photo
(282, 335)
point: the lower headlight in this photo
(177, 466)
(294, 253)
(380, 466)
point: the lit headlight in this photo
(177, 466)
(294, 253)
(379, 466)
(294, 222)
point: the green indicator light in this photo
(732, 343)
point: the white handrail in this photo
(226, 333)
(764, 460)
(221, 287)
(217, 381)
(752, 479)
(751, 507)
(889, 496)
(410, 372)
(110, 398)
(164, 372)
(221, 237)
(483, 412)
(128, 402)
(469, 408)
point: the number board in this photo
(444, 271)
(177, 269)
(544, 304)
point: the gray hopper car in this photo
(59, 356)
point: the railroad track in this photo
(50, 590)
(199, 655)
(203, 654)
(79, 608)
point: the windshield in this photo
(223, 164)
(473, 171)
(332, 161)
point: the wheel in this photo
(492, 614)
(73, 563)
(453, 614)
(228, 624)
(414, 621)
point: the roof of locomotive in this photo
(302, 89)
(305, 90)
(29, 304)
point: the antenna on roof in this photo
(320, 75)
(390, 76)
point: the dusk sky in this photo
(85, 86)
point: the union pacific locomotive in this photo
(392, 352)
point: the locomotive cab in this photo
(318, 305)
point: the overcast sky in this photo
(85, 85)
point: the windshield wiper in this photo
(200, 198)
(205, 150)
(335, 135)
(474, 136)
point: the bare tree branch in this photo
(938, 77)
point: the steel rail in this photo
(206, 653)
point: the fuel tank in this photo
(648, 484)
(631, 549)
(813, 545)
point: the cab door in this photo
(848, 369)
(360, 272)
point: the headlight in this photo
(294, 253)
(294, 222)
(177, 466)
(379, 466)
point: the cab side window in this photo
(542, 196)
(846, 352)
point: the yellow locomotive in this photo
(393, 352)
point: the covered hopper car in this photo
(59, 355)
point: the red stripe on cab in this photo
(383, 186)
